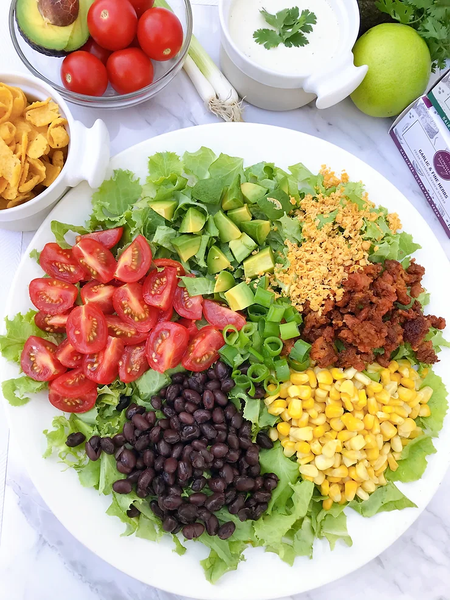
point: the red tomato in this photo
(159, 288)
(92, 47)
(202, 349)
(166, 345)
(129, 70)
(168, 262)
(187, 306)
(84, 73)
(103, 367)
(221, 316)
(52, 296)
(96, 259)
(100, 295)
(165, 315)
(190, 326)
(160, 33)
(51, 323)
(133, 363)
(107, 237)
(59, 263)
(38, 360)
(68, 356)
(76, 404)
(135, 261)
(112, 23)
(87, 330)
(73, 383)
(131, 308)
(140, 6)
(126, 332)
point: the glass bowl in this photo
(48, 68)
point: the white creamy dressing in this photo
(245, 18)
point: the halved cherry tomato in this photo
(100, 295)
(133, 363)
(221, 316)
(103, 367)
(59, 263)
(168, 262)
(68, 356)
(131, 308)
(73, 383)
(51, 323)
(166, 345)
(38, 359)
(87, 329)
(202, 349)
(107, 237)
(52, 296)
(159, 288)
(96, 259)
(187, 306)
(126, 332)
(74, 404)
(135, 261)
(165, 315)
(190, 326)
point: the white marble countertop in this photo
(39, 559)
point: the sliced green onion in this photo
(256, 312)
(259, 357)
(273, 346)
(282, 370)
(275, 313)
(231, 355)
(299, 366)
(257, 372)
(250, 328)
(300, 351)
(264, 297)
(230, 335)
(289, 330)
(271, 329)
(291, 314)
(271, 381)
(263, 282)
(245, 382)
(244, 340)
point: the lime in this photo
(399, 69)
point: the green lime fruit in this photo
(399, 69)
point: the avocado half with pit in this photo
(53, 27)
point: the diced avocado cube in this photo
(239, 215)
(242, 247)
(233, 197)
(260, 263)
(227, 229)
(193, 221)
(224, 282)
(187, 246)
(240, 296)
(216, 261)
(252, 192)
(257, 229)
(165, 208)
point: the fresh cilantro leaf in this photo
(268, 37)
(289, 26)
(296, 40)
(398, 10)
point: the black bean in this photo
(202, 415)
(169, 411)
(92, 454)
(243, 465)
(178, 378)
(187, 451)
(170, 465)
(128, 458)
(175, 423)
(185, 384)
(178, 404)
(259, 510)
(187, 513)
(212, 385)
(264, 441)
(250, 502)
(140, 463)
(226, 530)
(244, 442)
(119, 440)
(177, 450)
(169, 524)
(159, 463)
(233, 441)
(237, 504)
(151, 417)
(198, 462)
(254, 470)
(259, 482)
(142, 442)
(237, 421)
(244, 484)
(193, 531)
(197, 472)
(199, 445)
(244, 514)
(217, 415)
(198, 498)
(94, 442)
(212, 525)
(123, 469)
(134, 409)
(222, 370)
(230, 495)
(172, 502)
(227, 385)
(162, 392)
(259, 392)
(123, 403)
(229, 411)
(208, 399)
(140, 422)
(155, 434)
(191, 396)
(122, 486)
(146, 477)
(244, 368)
(246, 430)
(215, 502)
(203, 514)
(75, 439)
(133, 512)
(156, 509)
(221, 436)
(194, 385)
(156, 402)
(159, 486)
(171, 436)
(201, 377)
(208, 430)
(219, 450)
(227, 474)
(169, 478)
(164, 448)
(107, 445)
(128, 432)
(186, 418)
(217, 463)
(232, 456)
(198, 484)
(220, 398)
(134, 475)
(190, 407)
(211, 374)
(252, 455)
(174, 490)
(190, 432)
(184, 471)
(217, 484)
(173, 390)
(269, 484)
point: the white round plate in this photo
(262, 575)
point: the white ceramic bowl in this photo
(87, 158)
(331, 81)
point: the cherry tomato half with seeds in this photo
(133, 363)
(160, 263)
(129, 334)
(96, 259)
(73, 383)
(159, 288)
(38, 359)
(84, 73)
(99, 294)
(165, 315)
(68, 356)
(221, 316)
(80, 403)
(59, 263)
(96, 50)
(160, 33)
(140, 6)
(129, 70)
(165, 346)
(130, 306)
(135, 261)
(203, 349)
(187, 306)
(107, 237)
(112, 23)
(190, 326)
(87, 330)
(51, 323)
(103, 367)
(52, 296)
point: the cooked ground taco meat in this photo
(370, 319)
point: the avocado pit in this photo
(60, 13)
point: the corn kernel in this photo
(393, 366)
(293, 391)
(382, 397)
(424, 411)
(361, 471)
(273, 434)
(347, 387)
(323, 462)
(300, 434)
(388, 430)
(396, 444)
(319, 420)
(368, 486)
(361, 378)
(320, 478)
(288, 451)
(372, 454)
(333, 411)
(295, 408)
(337, 374)
(406, 394)
(396, 377)
(350, 490)
(385, 376)
(325, 488)
(330, 448)
(351, 423)
(350, 372)
(415, 412)
(345, 436)
(327, 504)
(426, 393)
(283, 428)
(358, 442)
(303, 447)
(312, 378)
(362, 494)
(374, 387)
(341, 471)
(284, 389)
(393, 464)
(380, 463)
(307, 404)
(303, 421)
(334, 394)
(372, 405)
(337, 424)
(306, 459)
(368, 421)
(316, 447)
(337, 460)
(299, 378)
(277, 407)
(376, 425)
(405, 429)
(407, 382)
(325, 377)
(318, 431)
(309, 470)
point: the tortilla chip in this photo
(7, 132)
(38, 146)
(51, 173)
(42, 113)
(6, 103)
(10, 166)
(57, 158)
(57, 134)
(20, 101)
(22, 127)
(24, 174)
(3, 184)
(20, 199)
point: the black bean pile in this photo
(195, 460)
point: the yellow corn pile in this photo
(345, 428)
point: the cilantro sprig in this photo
(290, 28)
